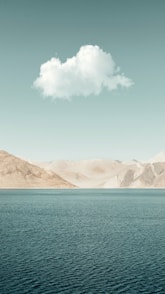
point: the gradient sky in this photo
(123, 124)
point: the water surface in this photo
(82, 241)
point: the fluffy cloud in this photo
(87, 73)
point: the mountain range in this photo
(18, 173)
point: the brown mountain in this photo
(18, 173)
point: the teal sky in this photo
(122, 124)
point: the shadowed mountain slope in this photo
(18, 173)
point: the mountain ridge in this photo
(102, 173)
(16, 172)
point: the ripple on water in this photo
(77, 244)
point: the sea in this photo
(82, 241)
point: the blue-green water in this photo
(82, 241)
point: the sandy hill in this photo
(109, 174)
(18, 173)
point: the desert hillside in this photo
(18, 173)
(110, 174)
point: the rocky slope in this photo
(110, 174)
(18, 173)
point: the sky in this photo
(82, 79)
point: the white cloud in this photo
(87, 73)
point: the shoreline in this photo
(69, 189)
